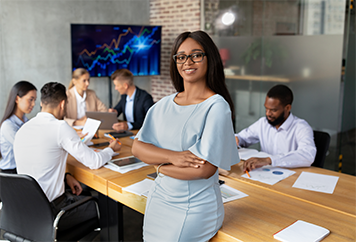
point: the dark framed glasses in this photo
(195, 57)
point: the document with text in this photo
(316, 182)
(229, 194)
(269, 175)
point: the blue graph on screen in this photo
(102, 49)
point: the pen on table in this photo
(112, 137)
(248, 174)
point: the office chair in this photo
(322, 141)
(27, 215)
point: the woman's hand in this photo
(154, 155)
(186, 159)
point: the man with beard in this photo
(41, 148)
(288, 139)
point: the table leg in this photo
(111, 219)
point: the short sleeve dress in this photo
(188, 210)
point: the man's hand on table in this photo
(255, 162)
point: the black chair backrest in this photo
(26, 210)
(322, 142)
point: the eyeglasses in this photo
(195, 57)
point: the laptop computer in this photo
(107, 119)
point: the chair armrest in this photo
(77, 203)
(70, 207)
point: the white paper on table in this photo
(269, 175)
(316, 182)
(126, 169)
(140, 188)
(229, 193)
(90, 127)
(246, 154)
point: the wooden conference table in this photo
(343, 199)
(257, 217)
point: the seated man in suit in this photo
(134, 102)
(288, 139)
(41, 148)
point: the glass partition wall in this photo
(347, 142)
(296, 43)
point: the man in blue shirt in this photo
(134, 102)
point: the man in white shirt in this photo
(134, 102)
(288, 139)
(41, 148)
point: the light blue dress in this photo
(188, 210)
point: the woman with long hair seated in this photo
(21, 101)
(81, 99)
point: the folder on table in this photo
(301, 231)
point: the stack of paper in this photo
(230, 194)
(126, 169)
(246, 154)
(140, 188)
(302, 231)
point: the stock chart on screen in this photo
(104, 48)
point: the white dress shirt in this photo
(292, 145)
(7, 135)
(81, 105)
(129, 110)
(41, 148)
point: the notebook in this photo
(107, 119)
(120, 134)
(90, 127)
(125, 161)
(301, 231)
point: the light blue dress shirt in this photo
(129, 109)
(7, 135)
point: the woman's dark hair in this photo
(53, 93)
(19, 89)
(215, 77)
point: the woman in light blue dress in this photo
(187, 136)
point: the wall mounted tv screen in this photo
(104, 48)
